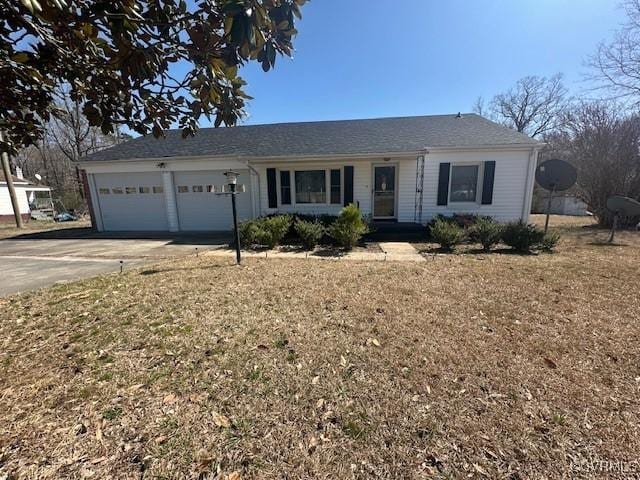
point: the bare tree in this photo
(479, 107)
(617, 64)
(66, 138)
(535, 105)
(604, 145)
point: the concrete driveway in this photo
(34, 261)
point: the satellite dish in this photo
(625, 206)
(38, 176)
(556, 175)
(619, 205)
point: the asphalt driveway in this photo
(34, 261)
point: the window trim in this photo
(327, 177)
(340, 186)
(479, 183)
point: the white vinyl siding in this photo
(508, 186)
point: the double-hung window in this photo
(311, 186)
(464, 183)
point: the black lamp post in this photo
(232, 181)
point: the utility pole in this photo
(10, 186)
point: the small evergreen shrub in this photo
(273, 229)
(309, 233)
(522, 237)
(446, 234)
(349, 227)
(267, 231)
(486, 232)
(550, 241)
(249, 232)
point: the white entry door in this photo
(384, 191)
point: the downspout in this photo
(255, 172)
(528, 190)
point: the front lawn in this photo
(478, 365)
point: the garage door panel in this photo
(201, 208)
(131, 201)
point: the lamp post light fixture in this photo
(232, 181)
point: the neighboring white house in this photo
(561, 205)
(405, 169)
(29, 195)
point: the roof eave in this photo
(250, 158)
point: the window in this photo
(117, 190)
(158, 189)
(285, 187)
(335, 186)
(197, 189)
(211, 189)
(130, 190)
(183, 189)
(103, 191)
(144, 190)
(464, 183)
(311, 186)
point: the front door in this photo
(384, 191)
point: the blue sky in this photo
(376, 58)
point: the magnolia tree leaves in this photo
(142, 64)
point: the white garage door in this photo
(131, 201)
(199, 206)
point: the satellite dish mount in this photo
(555, 176)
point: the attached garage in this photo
(131, 201)
(200, 207)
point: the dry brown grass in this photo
(486, 366)
(9, 230)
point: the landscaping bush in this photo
(550, 241)
(349, 227)
(267, 231)
(249, 232)
(273, 229)
(447, 234)
(309, 233)
(486, 232)
(522, 237)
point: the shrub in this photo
(268, 231)
(273, 229)
(486, 232)
(550, 241)
(310, 233)
(249, 232)
(522, 237)
(446, 234)
(349, 227)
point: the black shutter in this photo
(272, 192)
(348, 185)
(285, 187)
(487, 182)
(443, 183)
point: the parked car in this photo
(65, 217)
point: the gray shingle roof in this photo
(343, 137)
